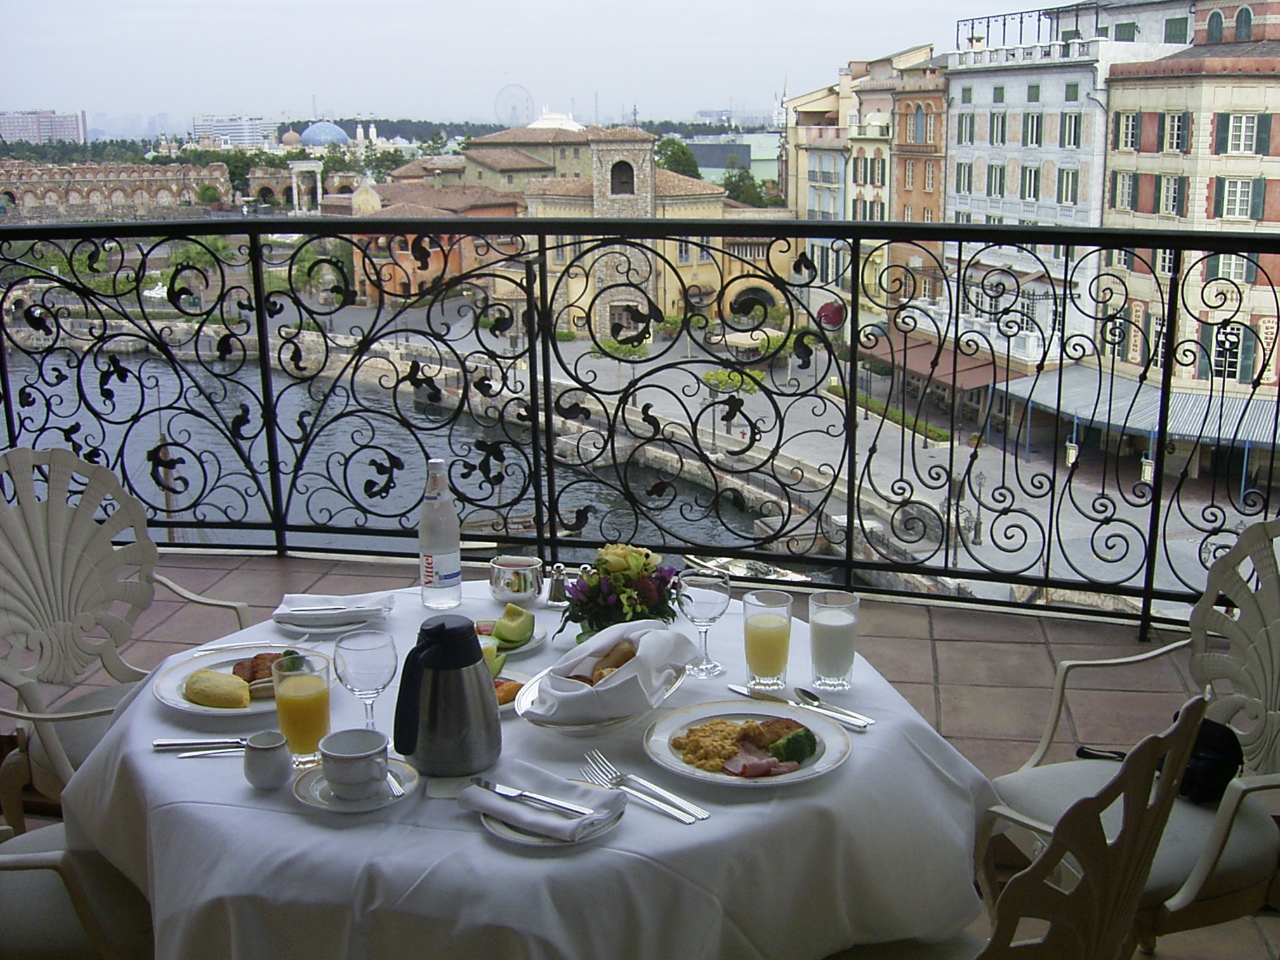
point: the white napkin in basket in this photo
(636, 687)
(354, 609)
(607, 804)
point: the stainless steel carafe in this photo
(447, 712)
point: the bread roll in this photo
(212, 689)
(622, 652)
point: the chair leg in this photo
(15, 774)
(1147, 945)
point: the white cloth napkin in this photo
(354, 609)
(607, 804)
(636, 687)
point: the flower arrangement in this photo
(625, 583)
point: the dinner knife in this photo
(830, 714)
(528, 796)
(199, 743)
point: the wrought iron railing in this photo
(1078, 419)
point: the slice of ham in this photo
(751, 761)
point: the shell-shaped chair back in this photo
(1241, 606)
(68, 595)
(1106, 843)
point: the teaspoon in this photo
(813, 700)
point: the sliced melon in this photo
(515, 627)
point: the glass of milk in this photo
(833, 636)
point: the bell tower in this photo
(622, 173)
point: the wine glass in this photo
(366, 661)
(704, 596)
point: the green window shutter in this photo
(1114, 177)
(1155, 203)
(1262, 141)
(1258, 199)
(1183, 186)
(1062, 129)
(1160, 144)
(1146, 336)
(1247, 343)
(1134, 184)
(1219, 194)
(1137, 131)
(1205, 362)
(1185, 137)
(1211, 268)
(1221, 133)
(1115, 134)
(1250, 270)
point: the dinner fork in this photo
(617, 778)
(592, 775)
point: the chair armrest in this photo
(1235, 793)
(1065, 669)
(38, 860)
(56, 717)
(241, 608)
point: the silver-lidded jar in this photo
(447, 712)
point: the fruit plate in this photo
(834, 745)
(485, 629)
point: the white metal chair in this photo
(55, 903)
(77, 567)
(1213, 865)
(1081, 892)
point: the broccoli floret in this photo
(796, 745)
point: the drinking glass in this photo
(704, 597)
(833, 635)
(301, 683)
(366, 662)
(766, 621)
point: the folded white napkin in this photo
(315, 610)
(607, 804)
(636, 687)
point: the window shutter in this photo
(1250, 270)
(1115, 134)
(1247, 343)
(1185, 144)
(1219, 194)
(1137, 131)
(1211, 268)
(1146, 336)
(1258, 199)
(1221, 132)
(1262, 141)
(1114, 178)
(1183, 186)
(1205, 363)
(1160, 144)
(1062, 129)
(1158, 181)
(1133, 192)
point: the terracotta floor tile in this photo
(1107, 718)
(899, 659)
(261, 585)
(347, 581)
(278, 566)
(202, 581)
(994, 757)
(195, 624)
(950, 623)
(1238, 940)
(880, 618)
(922, 697)
(199, 559)
(1014, 713)
(993, 664)
(1069, 631)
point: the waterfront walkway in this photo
(983, 679)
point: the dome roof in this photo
(291, 138)
(322, 133)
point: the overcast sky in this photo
(432, 60)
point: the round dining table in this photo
(878, 848)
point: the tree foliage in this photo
(674, 155)
(742, 186)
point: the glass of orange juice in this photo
(767, 631)
(301, 684)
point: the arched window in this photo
(622, 178)
(1244, 24)
(919, 134)
(1214, 33)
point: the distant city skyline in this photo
(165, 61)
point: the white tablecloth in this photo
(879, 849)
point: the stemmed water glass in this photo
(366, 662)
(704, 596)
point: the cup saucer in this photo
(313, 789)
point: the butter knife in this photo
(197, 743)
(830, 714)
(537, 799)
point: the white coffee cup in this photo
(355, 763)
(268, 765)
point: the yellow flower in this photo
(616, 557)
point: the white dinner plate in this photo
(833, 743)
(505, 831)
(538, 639)
(329, 631)
(169, 684)
(313, 789)
(527, 694)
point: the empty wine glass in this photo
(704, 596)
(366, 662)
